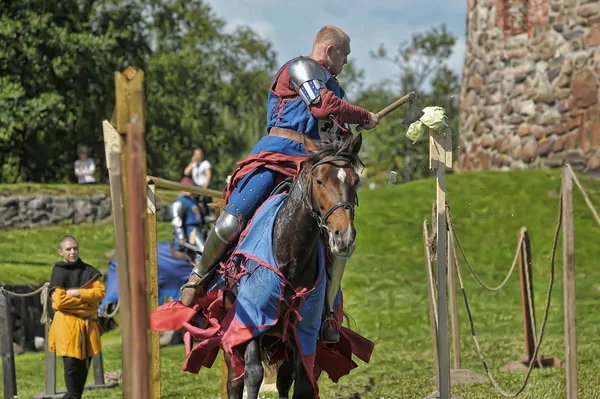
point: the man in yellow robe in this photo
(76, 290)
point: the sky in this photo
(291, 26)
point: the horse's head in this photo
(332, 184)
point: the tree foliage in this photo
(423, 68)
(205, 85)
(57, 83)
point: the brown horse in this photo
(320, 205)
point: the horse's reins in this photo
(322, 219)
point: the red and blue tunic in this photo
(274, 158)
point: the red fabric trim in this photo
(342, 110)
(284, 164)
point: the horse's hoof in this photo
(191, 291)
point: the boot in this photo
(221, 238)
(330, 329)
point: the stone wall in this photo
(43, 211)
(530, 92)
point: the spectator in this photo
(199, 169)
(76, 290)
(85, 168)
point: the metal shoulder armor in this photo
(308, 77)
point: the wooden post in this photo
(9, 375)
(440, 150)
(569, 284)
(431, 298)
(136, 237)
(527, 306)
(50, 366)
(152, 269)
(98, 368)
(114, 144)
(453, 305)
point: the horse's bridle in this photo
(320, 218)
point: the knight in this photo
(305, 104)
(186, 219)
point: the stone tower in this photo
(530, 90)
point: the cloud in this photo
(291, 26)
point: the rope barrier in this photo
(546, 312)
(111, 314)
(481, 283)
(585, 195)
(43, 298)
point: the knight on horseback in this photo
(305, 104)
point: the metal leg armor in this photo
(221, 238)
(329, 329)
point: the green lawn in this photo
(386, 292)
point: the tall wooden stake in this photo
(453, 305)
(152, 269)
(431, 298)
(113, 147)
(440, 149)
(136, 237)
(569, 284)
(9, 376)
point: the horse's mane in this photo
(339, 147)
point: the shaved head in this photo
(331, 36)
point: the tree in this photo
(205, 87)
(56, 83)
(55, 66)
(423, 68)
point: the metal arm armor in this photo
(308, 77)
(177, 212)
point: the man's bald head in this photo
(331, 47)
(331, 36)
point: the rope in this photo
(111, 314)
(546, 313)
(481, 283)
(585, 195)
(43, 298)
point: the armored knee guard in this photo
(221, 237)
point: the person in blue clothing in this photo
(187, 222)
(305, 103)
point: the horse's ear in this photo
(357, 143)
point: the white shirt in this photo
(199, 175)
(85, 171)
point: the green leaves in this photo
(204, 86)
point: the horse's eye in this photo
(320, 183)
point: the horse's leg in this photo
(253, 372)
(285, 377)
(302, 385)
(235, 390)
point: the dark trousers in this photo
(76, 371)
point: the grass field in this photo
(385, 289)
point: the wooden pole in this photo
(431, 298)
(50, 366)
(164, 183)
(9, 375)
(453, 305)
(439, 164)
(113, 146)
(569, 284)
(527, 307)
(98, 368)
(152, 267)
(136, 237)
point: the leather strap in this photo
(294, 136)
